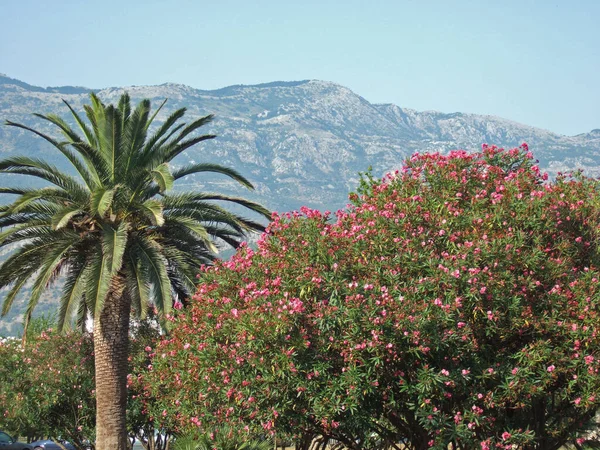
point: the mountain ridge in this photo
(5, 79)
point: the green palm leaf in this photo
(101, 201)
(97, 282)
(73, 290)
(113, 246)
(62, 218)
(155, 266)
(163, 177)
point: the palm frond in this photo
(196, 228)
(193, 126)
(82, 315)
(124, 108)
(24, 232)
(175, 150)
(155, 265)
(135, 134)
(211, 213)
(62, 218)
(182, 269)
(10, 297)
(89, 135)
(160, 107)
(109, 126)
(97, 281)
(83, 171)
(114, 243)
(212, 168)
(51, 264)
(163, 177)
(101, 201)
(41, 169)
(29, 258)
(138, 285)
(160, 133)
(72, 294)
(202, 196)
(153, 210)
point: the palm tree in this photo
(113, 233)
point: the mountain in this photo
(302, 142)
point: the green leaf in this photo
(97, 281)
(197, 228)
(153, 209)
(101, 201)
(10, 297)
(212, 168)
(163, 177)
(72, 294)
(47, 273)
(114, 243)
(155, 264)
(139, 285)
(62, 218)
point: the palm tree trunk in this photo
(111, 350)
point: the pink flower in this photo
(178, 305)
(235, 313)
(577, 401)
(506, 436)
(551, 368)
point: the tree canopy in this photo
(454, 303)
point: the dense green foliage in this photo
(47, 386)
(455, 303)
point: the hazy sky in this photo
(535, 62)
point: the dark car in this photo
(7, 442)
(48, 444)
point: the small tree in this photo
(455, 303)
(47, 388)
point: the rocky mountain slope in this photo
(300, 143)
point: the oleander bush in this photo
(454, 303)
(47, 386)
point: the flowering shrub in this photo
(153, 433)
(47, 387)
(455, 302)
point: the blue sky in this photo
(535, 62)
